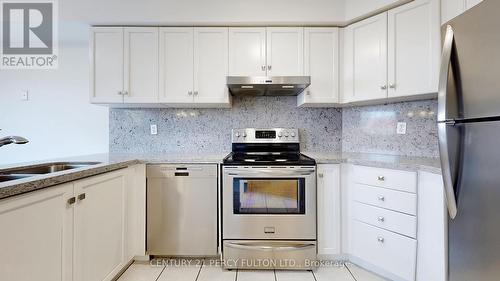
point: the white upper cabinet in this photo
(414, 48)
(124, 65)
(272, 51)
(211, 65)
(106, 57)
(176, 65)
(247, 51)
(365, 60)
(141, 65)
(285, 51)
(321, 62)
(452, 8)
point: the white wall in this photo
(58, 119)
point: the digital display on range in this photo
(265, 134)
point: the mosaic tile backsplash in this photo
(370, 129)
(209, 130)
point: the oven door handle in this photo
(270, 172)
(291, 247)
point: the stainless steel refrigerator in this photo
(469, 139)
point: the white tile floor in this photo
(208, 271)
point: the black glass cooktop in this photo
(268, 158)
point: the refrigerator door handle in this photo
(442, 132)
(446, 170)
(444, 73)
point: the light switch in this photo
(154, 129)
(401, 128)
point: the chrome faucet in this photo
(12, 139)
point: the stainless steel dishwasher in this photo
(182, 210)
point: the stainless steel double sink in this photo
(42, 169)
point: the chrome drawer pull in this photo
(381, 178)
(380, 239)
(381, 198)
(381, 219)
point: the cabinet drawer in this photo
(393, 179)
(386, 198)
(386, 219)
(392, 252)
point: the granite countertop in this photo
(108, 162)
(114, 161)
(409, 163)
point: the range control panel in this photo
(275, 135)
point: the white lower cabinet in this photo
(329, 219)
(36, 236)
(396, 222)
(99, 252)
(392, 252)
(86, 230)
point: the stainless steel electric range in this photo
(268, 201)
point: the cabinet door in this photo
(329, 209)
(141, 64)
(451, 9)
(211, 65)
(135, 211)
(36, 236)
(432, 228)
(365, 60)
(285, 51)
(247, 51)
(321, 60)
(176, 65)
(471, 3)
(106, 57)
(99, 252)
(414, 48)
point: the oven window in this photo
(269, 196)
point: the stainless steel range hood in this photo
(267, 86)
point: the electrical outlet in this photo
(401, 128)
(154, 129)
(24, 95)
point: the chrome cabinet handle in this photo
(392, 86)
(381, 178)
(269, 67)
(381, 219)
(441, 116)
(381, 198)
(383, 87)
(190, 93)
(380, 239)
(120, 93)
(71, 201)
(195, 93)
(308, 92)
(81, 196)
(263, 67)
(320, 175)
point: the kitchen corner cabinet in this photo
(329, 219)
(271, 51)
(194, 66)
(81, 231)
(365, 60)
(453, 8)
(321, 62)
(124, 65)
(414, 48)
(393, 55)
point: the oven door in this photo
(269, 203)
